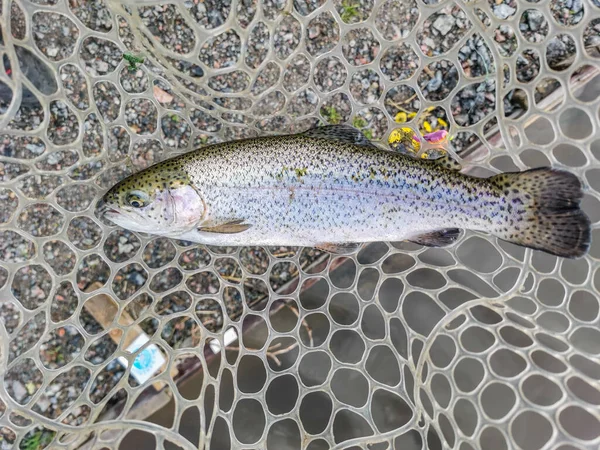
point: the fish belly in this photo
(309, 216)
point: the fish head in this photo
(158, 200)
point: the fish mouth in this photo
(111, 213)
(105, 210)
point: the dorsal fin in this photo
(343, 133)
(448, 162)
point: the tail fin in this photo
(548, 214)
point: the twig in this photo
(231, 278)
(304, 324)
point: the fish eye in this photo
(137, 199)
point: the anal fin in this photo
(235, 226)
(438, 238)
(346, 248)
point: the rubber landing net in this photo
(111, 339)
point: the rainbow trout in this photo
(330, 188)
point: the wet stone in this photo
(29, 115)
(108, 100)
(505, 40)
(141, 116)
(245, 12)
(86, 171)
(166, 23)
(560, 52)
(84, 233)
(399, 62)
(372, 122)
(533, 25)
(173, 303)
(286, 36)
(41, 219)
(112, 176)
(54, 34)
(60, 347)
(175, 131)
(186, 68)
(133, 81)
(118, 143)
(59, 256)
(503, 9)
(158, 253)
(18, 24)
(10, 317)
(330, 73)
(366, 86)
(76, 197)
(322, 34)
(528, 65)
(23, 380)
(303, 103)
(21, 147)
(395, 19)
(476, 58)
(164, 94)
(402, 103)
(57, 161)
(474, 102)
(266, 78)
(92, 270)
(121, 245)
(31, 286)
(360, 47)
(296, 73)
(15, 248)
(270, 104)
(221, 51)
(204, 121)
(438, 79)
(27, 336)
(93, 141)
(258, 45)
(567, 12)
(211, 14)
(336, 109)
(64, 303)
(75, 86)
(100, 56)
(9, 171)
(8, 204)
(166, 279)
(93, 13)
(442, 30)
(231, 82)
(63, 127)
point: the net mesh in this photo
(479, 345)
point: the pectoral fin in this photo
(235, 226)
(339, 249)
(439, 238)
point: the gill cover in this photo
(160, 199)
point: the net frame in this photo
(447, 299)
